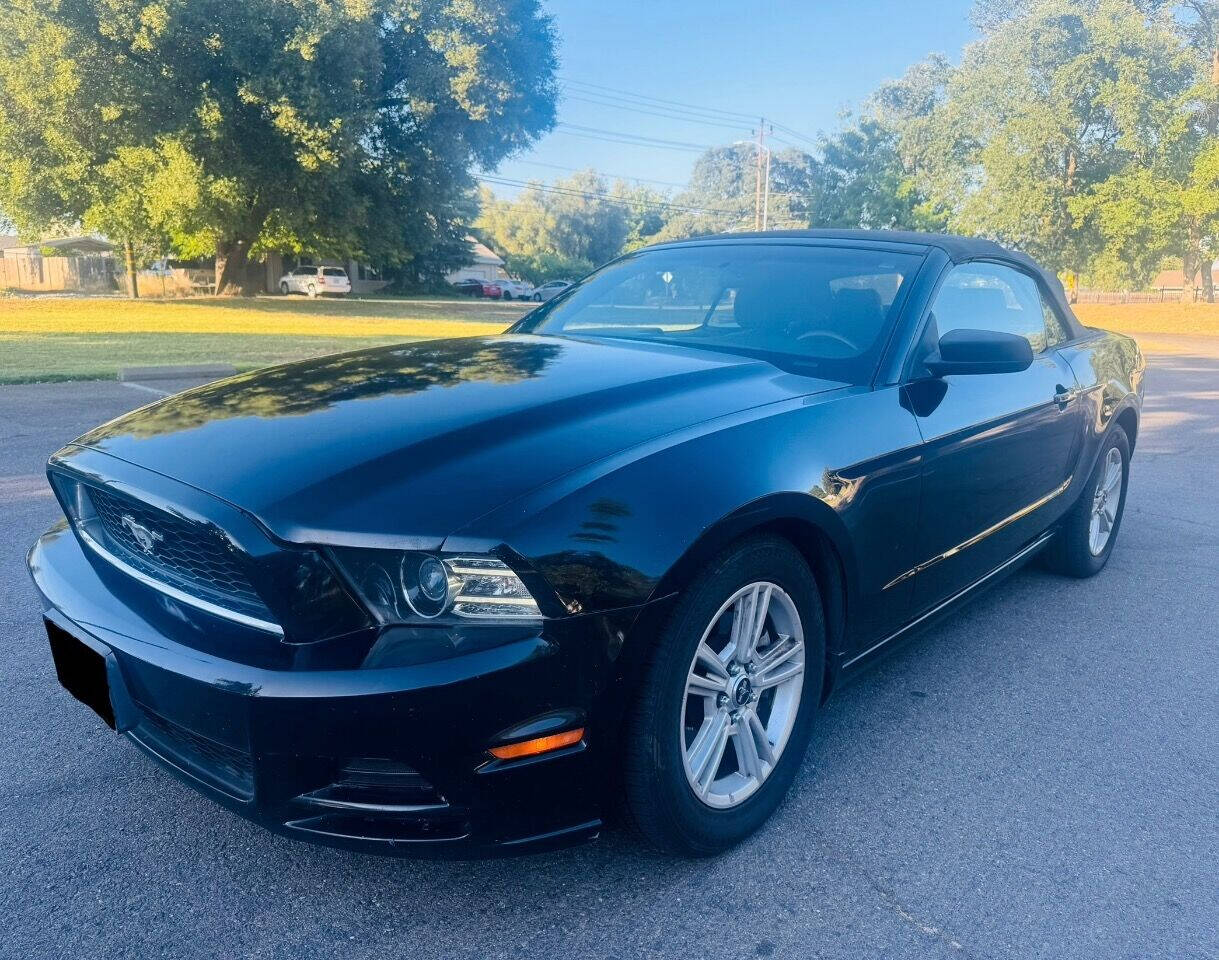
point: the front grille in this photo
(382, 800)
(192, 556)
(374, 784)
(225, 768)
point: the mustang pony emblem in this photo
(146, 539)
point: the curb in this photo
(189, 371)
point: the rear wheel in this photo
(283, 288)
(507, 295)
(1082, 546)
(727, 702)
(312, 290)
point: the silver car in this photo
(316, 281)
(549, 290)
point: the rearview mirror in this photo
(979, 351)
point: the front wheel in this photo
(537, 298)
(507, 295)
(283, 288)
(1083, 543)
(312, 291)
(726, 705)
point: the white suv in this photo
(516, 289)
(315, 281)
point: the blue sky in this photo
(798, 63)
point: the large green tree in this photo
(859, 179)
(232, 127)
(565, 229)
(1056, 99)
(722, 194)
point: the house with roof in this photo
(59, 247)
(484, 264)
(83, 264)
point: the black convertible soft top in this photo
(958, 249)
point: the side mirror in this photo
(979, 351)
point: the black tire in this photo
(283, 288)
(507, 295)
(1070, 553)
(660, 802)
(537, 298)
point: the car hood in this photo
(403, 445)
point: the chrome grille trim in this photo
(192, 556)
(171, 591)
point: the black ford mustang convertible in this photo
(475, 594)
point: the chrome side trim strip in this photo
(979, 537)
(181, 595)
(1035, 545)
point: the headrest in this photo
(762, 304)
(981, 307)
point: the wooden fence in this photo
(1159, 295)
(49, 274)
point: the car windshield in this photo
(819, 309)
(334, 272)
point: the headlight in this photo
(401, 587)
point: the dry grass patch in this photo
(1181, 319)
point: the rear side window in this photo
(990, 296)
(1056, 331)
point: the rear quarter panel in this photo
(1109, 368)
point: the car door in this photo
(999, 447)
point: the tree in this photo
(565, 229)
(720, 196)
(333, 129)
(860, 180)
(1052, 102)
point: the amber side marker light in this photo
(531, 748)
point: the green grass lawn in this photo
(90, 338)
(79, 338)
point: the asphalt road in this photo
(1039, 777)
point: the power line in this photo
(796, 133)
(666, 114)
(619, 136)
(747, 117)
(603, 173)
(710, 111)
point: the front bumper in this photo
(384, 759)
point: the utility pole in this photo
(761, 193)
(766, 194)
(757, 174)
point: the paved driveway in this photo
(1037, 778)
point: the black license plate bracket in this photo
(82, 671)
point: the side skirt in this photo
(947, 605)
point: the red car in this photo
(492, 289)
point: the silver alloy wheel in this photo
(743, 688)
(1105, 501)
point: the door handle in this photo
(1063, 396)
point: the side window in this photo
(990, 296)
(1056, 331)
